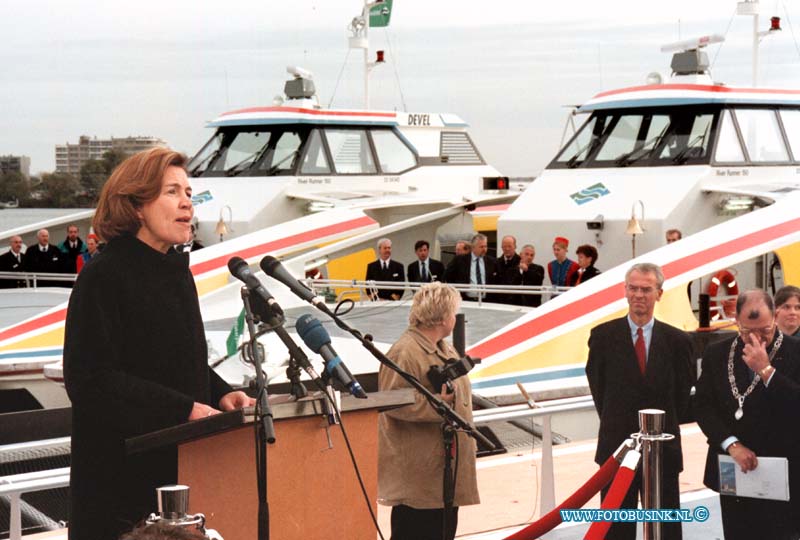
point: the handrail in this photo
(10, 452)
(15, 485)
(34, 277)
(481, 290)
(545, 412)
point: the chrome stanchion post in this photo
(651, 425)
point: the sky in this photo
(510, 68)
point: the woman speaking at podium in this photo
(410, 443)
(135, 357)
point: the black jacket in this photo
(507, 272)
(458, 270)
(577, 278)
(9, 263)
(435, 271)
(619, 390)
(769, 424)
(135, 360)
(533, 276)
(375, 272)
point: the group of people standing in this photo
(68, 257)
(472, 265)
(745, 400)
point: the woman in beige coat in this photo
(410, 446)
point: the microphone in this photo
(241, 270)
(318, 340)
(274, 269)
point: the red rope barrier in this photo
(588, 490)
(616, 493)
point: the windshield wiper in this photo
(208, 160)
(683, 156)
(628, 158)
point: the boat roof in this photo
(260, 116)
(672, 94)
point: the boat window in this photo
(728, 148)
(206, 155)
(315, 160)
(281, 154)
(762, 135)
(688, 138)
(350, 151)
(456, 148)
(393, 155)
(791, 125)
(268, 151)
(622, 138)
(240, 151)
(578, 148)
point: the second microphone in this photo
(318, 340)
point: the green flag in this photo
(236, 332)
(379, 15)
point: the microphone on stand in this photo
(318, 340)
(239, 269)
(274, 269)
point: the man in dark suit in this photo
(636, 362)
(72, 247)
(753, 416)
(44, 258)
(528, 274)
(477, 268)
(507, 269)
(424, 269)
(11, 261)
(385, 269)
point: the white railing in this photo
(14, 486)
(31, 279)
(545, 412)
(364, 288)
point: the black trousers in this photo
(414, 524)
(670, 498)
(744, 518)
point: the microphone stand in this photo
(451, 421)
(264, 428)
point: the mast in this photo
(376, 13)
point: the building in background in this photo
(71, 157)
(20, 164)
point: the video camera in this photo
(453, 369)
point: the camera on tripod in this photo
(451, 370)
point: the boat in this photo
(291, 178)
(718, 162)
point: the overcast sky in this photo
(165, 68)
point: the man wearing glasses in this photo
(747, 402)
(636, 362)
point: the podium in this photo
(312, 489)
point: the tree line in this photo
(61, 190)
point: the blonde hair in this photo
(433, 303)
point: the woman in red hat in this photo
(561, 270)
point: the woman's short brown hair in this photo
(134, 183)
(432, 304)
(588, 250)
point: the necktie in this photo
(478, 277)
(385, 266)
(424, 272)
(641, 353)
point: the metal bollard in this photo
(651, 435)
(173, 506)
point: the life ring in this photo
(723, 278)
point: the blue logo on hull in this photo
(589, 194)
